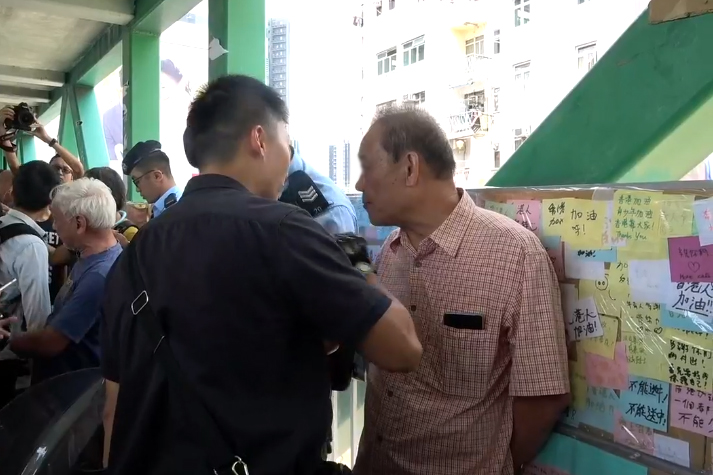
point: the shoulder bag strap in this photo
(220, 455)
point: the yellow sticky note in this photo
(637, 216)
(600, 291)
(646, 355)
(587, 220)
(676, 216)
(690, 365)
(619, 280)
(641, 317)
(642, 251)
(555, 216)
(578, 385)
(699, 339)
(603, 345)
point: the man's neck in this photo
(37, 216)
(99, 242)
(439, 202)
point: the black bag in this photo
(220, 456)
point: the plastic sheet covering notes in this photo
(635, 266)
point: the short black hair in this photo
(155, 161)
(32, 185)
(407, 128)
(113, 180)
(223, 114)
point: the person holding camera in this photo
(219, 315)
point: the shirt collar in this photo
(450, 233)
(20, 216)
(209, 181)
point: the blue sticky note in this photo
(646, 403)
(579, 458)
(688, 322)
(703, 216)
(551, 242)
(599, 409)
(603, 255)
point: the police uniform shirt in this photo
(168, 199)
(247, 297)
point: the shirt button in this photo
(413, 308)
(417, 263)
(390, 393)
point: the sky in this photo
(325, 72)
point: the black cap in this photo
(137, 153)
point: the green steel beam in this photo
(71, 98)
(643, 113)
(67, 136)
(89, 125)
(239, 27)
(155, 16)
(26, 148)
(141, 80)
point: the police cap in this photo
(137, 153)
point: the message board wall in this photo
(635, 266)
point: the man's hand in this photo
(121, 239)
(5, 114)
(4, 324)
(39, 131)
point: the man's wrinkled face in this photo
(382, 181)
(71, 229)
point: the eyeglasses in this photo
(62, 170)
(138, 179)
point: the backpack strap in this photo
(17, 229)
(304, 193)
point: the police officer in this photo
(150, 170)
(319, 196)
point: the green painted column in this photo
(88, 127)
(239, 28)
(26, 148)
(141, 81)
(67, 135)
(643, 113)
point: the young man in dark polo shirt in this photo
(250, 294)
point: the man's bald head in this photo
(6, 187)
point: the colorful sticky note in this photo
(619, 280)
(682, 321)
(646, 402)
(689, 261)
(694, 298)
(676, 215)
(551, 242)
(557, 258)
(690, 365)
(633, 435)
(600, 407)
(648, 280)
(585, 229)
(529, 214)
(692, 410)
(641, 318)
(643, 251)
(703, 215)
(505, 209)
(598, 255)
(603, 345)
(602, 292)
(576, 268)
(637, 216)
(608, 238)
(674, 450)
(606, 373)
(583, 320)
(555, 216)
(700, 339)
(646, 355)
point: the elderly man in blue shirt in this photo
(319, 196)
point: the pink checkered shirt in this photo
(453, 415)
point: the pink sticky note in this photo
(529, 214)
(691, 410)
(633, 435)
(557, 258)
(690, 262)
(606, 373)
(535, 468)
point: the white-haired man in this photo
(84, 214)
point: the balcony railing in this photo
(469, 122)
(472, 70)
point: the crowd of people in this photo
(222, 323)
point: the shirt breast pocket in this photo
(466, 351)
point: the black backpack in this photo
(17, 229)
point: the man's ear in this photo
(412, 161)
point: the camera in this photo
(24, 118)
